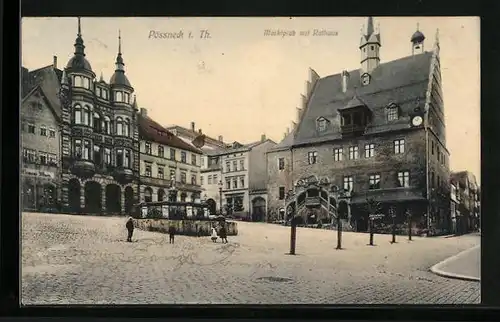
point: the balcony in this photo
(123, 175)
(83, 168)
(352, 129)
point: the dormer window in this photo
(321, 124)
(365, 79)
(392, 112)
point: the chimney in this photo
(345, 80)
(144, 112)
(192, 127)
(54, 64)
(199, 131)
(220, 138)
(263, 138)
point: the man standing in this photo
(130, 228)
(171, 234)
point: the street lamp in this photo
(220, 197)
(408, 214)
(392, 212)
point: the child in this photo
(214, 235)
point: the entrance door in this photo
(74, 195)
(113, 198)
(258, 209)
(93, 196)
(129, 200)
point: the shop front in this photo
(39, 190)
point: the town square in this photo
(170, 170)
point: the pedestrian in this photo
(130, 228)
(214, 234)
(223, 233)
(171, 234)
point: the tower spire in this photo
(369, 27)
(79, 47)
(79, 27)
(119, 42)
(119, 60)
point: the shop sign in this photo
(38, 173)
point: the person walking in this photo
(171, 234)
(223, 234)
(130, 227)
(214, 234)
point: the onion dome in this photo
(417, 36)
(119, 77)
(78, 61)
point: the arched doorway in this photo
(93, 195)
(113, 198)
(258, 209)
(212, 206)
(129, 199)
(148, 194)
(74, 195)
(28, 196)
(161, 194)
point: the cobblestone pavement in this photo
(85, 260)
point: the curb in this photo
(436, 269)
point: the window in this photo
(31, 128)
(281, 163)
(147, 171)
(348, 183)
(97, 155)
(432, 147)
(183, 177)
(228, 184)
(97, 123)
(235, 166)
(105, 94)
(172, 174)
(99, 91)
(209, 179)
(147, 147)
(118, 96)
(85, 115)
(321, 124)
(369, 150)
(127, 160)
(193, 179)
(52, 159)
(86, 83)
(439, 181)
(106, 125)
(392, 113)
(86, 150)
(242, 165)
(161, 174)
(242, 182)
(193, 159)
(235, 183)
(107, 156)
(126, 127)
(404, 179)
(228, 166)
(29, 155)
(127, 98)
(312, 157)
(119, 126)
(119, 158)
(43, 157)
(77, 148)
(374, 181)
(365, 80)
(161, 151)
(201, 180)
(399, 146)
(43, 131)
(372, 47)
(77, 110)
(337, 154)
(433, 179)
(172, 154)
(353, 153)
(281, 193)
(438, 152)
(215, 179)
(183, 157)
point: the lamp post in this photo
(392, 212)
(220, 197)
(408, 215)
(339, 232)
(370, 226)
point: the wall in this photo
(278, 178)
(257, 176)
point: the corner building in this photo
(100, 161)
(376, 133)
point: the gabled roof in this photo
(401, 81)
(48, 79)
(284, 144)
(151, 130)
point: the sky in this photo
(239, 83)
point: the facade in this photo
(211, 170)
(169, 166)
(466, 204)
(375, 136)
(244, 180)
(100, 162)
(40, 139)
